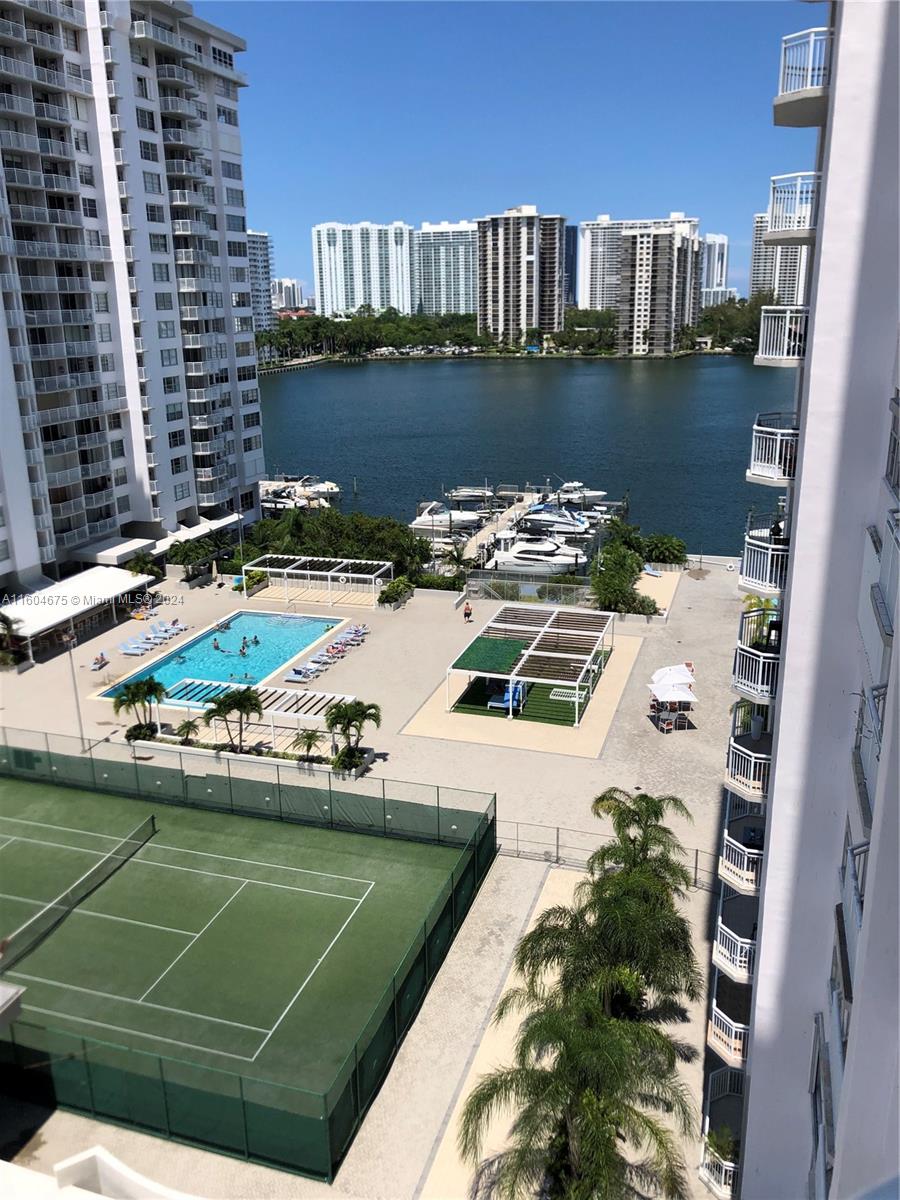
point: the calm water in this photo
(674, 434)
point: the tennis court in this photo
(262, 950)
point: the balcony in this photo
(728, 1027)
(756, 657)
(765, 559)
(853, 891)
(773, 455)
(151, 32)
(743, 838)
(782, 336)
(793, 209)
(178, 167)
(734, 943)
(803, 78)
(722, 1118)
(749, 751)
(177, 76)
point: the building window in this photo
(117, 449)
(182, 491)
(141, 87)
(164, 301)
(169, 358)
(234, 196)
(248, 501)
(123, 504)
(80, 140)
(159, 243)
(85, 175)
(165, 329)
(245, 373)
(252, 443)
(107, 362)
(240, 299)
(120, 476)
(152, 183)
(234, 223)
(237, 249)
(103, 331)
(97, 273)
(243, 324)
(231, 170)
(179, 466)
(101, 302)
(156, 212)
(251, 420)
(176, 438)
(171, 384)
(222, 57)
(892, 470)
(250, 396)
(243, 349)
(226, 116)
(145, 118)
(149, 151)
(160, 272)
(89, 206)
(174, 412)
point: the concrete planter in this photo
(304, 768)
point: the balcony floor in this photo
(749, 831)
(739, 914)
(760, 745)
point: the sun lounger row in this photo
(355, 635)
(157, 633)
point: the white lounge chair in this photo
(129, 648)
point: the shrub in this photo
(664, 548)
(252, 579)
(619, 533)
(141, 732)
(397, 589)
(615, 575)
(441, 583)
(348, 758)
(721, 1142)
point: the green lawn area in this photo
(538, 705)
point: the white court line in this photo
(6, 843)
(148, 862)
(87, 912)
(48, 1012)
(181, 849)
(194, 938)
(319, 962)
(185, 1012)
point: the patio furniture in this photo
(128, 648)
(665, 723)
(681, 720)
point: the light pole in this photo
(241, 545)
(71, 642)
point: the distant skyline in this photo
(398, 111)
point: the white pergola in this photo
(563, 647)
(336, 576)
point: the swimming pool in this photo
(281, 637)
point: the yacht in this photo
(436, 517)
(574, 492)
(549, 518)
(471, 495)
(311, 487)
(528, 554)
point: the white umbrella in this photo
(215, 570)
(674, 674)
(670, 692)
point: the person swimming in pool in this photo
(215, 644)
(255, 641)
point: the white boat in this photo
(311, 487)
(297, 491)
(437, 517)
(574, 492)
(524, 554)
(469, 495)
(551, 519)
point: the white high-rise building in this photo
(600, 255)
(260, 254)
(128, 390)
(362, 264)
(521, 261)
(446, 268)
(715, 260)
(286, 293)
(777, 267)
(802, 1094)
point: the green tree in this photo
(187, 731)
(241, 703)
(348, 719)
(138, 697)
(143, 563)
(457, 560)
(307, 742)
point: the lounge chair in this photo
(101, 661)
(176, 626)
(130, 648)
(518, 699)
(648, 570)
(162, 631)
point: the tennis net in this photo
(28, 936)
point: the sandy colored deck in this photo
(434, 721)
(660, 588)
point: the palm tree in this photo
(144, 564)
(307, 741)
(457, 560)
(588, 1090)
(9, 657)
(241, 702)
(641, 839)
(768, 604)
(348, 718)
(187, 731)
(138, 696)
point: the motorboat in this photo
(311, 487)
(574, 492)
(297, 491)
(549, 518)
(470, 495)
(529, 554)
(437, 517)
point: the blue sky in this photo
(432, 111)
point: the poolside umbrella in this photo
(674, 674)
(671, 692)
(214, 570)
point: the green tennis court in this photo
(261, 950)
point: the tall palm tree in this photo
(348, 719)
(307, 741)
(143, 563)
(641, 839)
(588, 1091)
(457, 560)
(138, 697)
(188, 730)
(242, 703)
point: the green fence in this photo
(253, 1118)
(255, 787)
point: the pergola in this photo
(335, 576)
(565, 648)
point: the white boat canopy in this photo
(62, 603)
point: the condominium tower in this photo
(520, 273)
(445, 268)
(128, 387)
(600, 251)
(659, 284)
(286, 293)
(260, 255)
(780, 267)
(362, 264)
(802, 1083)
(714, 286)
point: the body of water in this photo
(675, 434)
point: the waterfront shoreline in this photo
(486, 356)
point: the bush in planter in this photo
(348, 758)
(252, 579)
(664, 548)
(141, 732)
(397, 590)
(442, 583)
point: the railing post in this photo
(557, 844)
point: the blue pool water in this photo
(281, 638)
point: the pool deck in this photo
(402, 667)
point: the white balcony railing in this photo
(727, 1037)
(794, 202)
(773, 455)
(740, 866)
(805, 61)
(782, 336)
(853, 890)
(749, 751)
(765, 560)
(718, 1174)
(755, 672)
(734, 955)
